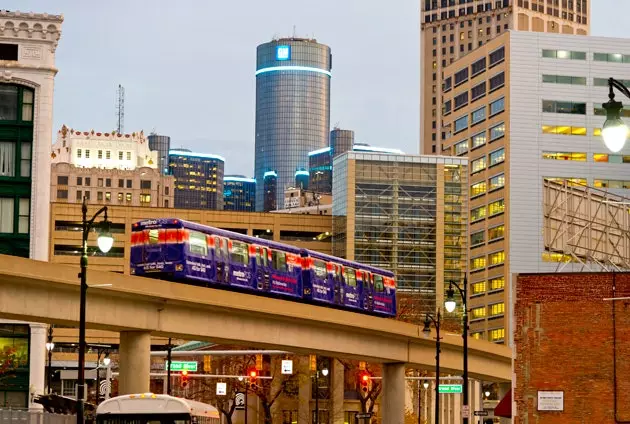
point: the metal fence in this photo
(16, 416)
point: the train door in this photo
(198, 256)
(285, 278)
(221, 261)
(338, 283)
(241, 269)
(351, 297)
(367, 291)
(262, 268)
(322, 281)
(384, 295)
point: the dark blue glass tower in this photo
(292, 109)
(239, 193)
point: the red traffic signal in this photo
(184, 377)
(365, 381)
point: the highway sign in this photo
(182, 365)
(480, 413)
(450, 388)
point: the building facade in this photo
(162, 145)
(270, 186)
(406, 214)
(239, 193)
(451, 30)
(65, 240)
(532, 121)
(292, 109)
(198, 179)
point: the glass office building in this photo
(270, 189)
(198, 179)
(161, 144)
(239, 193)
(292, 109)
(407, 214)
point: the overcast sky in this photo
(188, 66)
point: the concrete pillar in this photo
(304, 390)
(393, 402)
(338, 376)
(135, 362)
(37, 364)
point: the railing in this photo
(16, 416)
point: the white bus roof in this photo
(149, 403)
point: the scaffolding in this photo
(586, 227)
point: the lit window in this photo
(478, 115)
(497, 131)
(478, 139)
(497, 156)
(87, 154)
(479, 287)
(497, 283)
(574, 156)
(497, 181)
(478, 165)
(478, 188)
(477, 238)
(575, 182)
(605, 157)
(496, 233)
(496, 258)
(497, 207)
(556, 257)
(108, 155)
(479, 312)
(497, 106)
(477, 335)
(497, 335)
(100, 154)
(145, 198)
(461, 123)
(120, 156)
(497, 309)
(79, 153)
(563, 130)
(461, 147)
(478, 263)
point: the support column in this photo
(304, 391)
(337, 392)
(393, 403)
(37, 363)
(135, 362)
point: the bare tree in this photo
(269, 390)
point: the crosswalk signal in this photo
(207, 363)
(184, 379)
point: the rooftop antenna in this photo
(120, 110)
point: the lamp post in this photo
(450, 305)
(614, 131)
(324, 373)
(49, 347)
(425, 384)
(427, 332)
(105, 242)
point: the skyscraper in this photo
(239, 193)
(161, 144)
(198, 179)
(292, 109)
(451, 31)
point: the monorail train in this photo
(182, 251)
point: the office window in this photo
(87, 154)
(496, 207)
(572, 182)
(611, 57)
(478, 165)
(478, 115)
(120, 197)
(478, 288)
(478, 213)
(497, 181)
(108, 154)
(497, 335)
(477, 238)
(478, 139)
(478, 66)
(574, 156)
(62, 180)
(145, 199)
(497, 131)
(79, 196)
(563, 130)
(121, 183)
(128, 197)
(498, 55)
(497, 81)
(564, 54)
(461, 124)
(461, 147)
(120, 155)
(497, 309)
(108, 196)
(610, 158)
(99, 182)
(496, 233)
(145, 184)
(24, 210)
(62, 194)
(497, 283)
(461, 76)
(86, 194)
(600, 111)
(99, 196)
(128, 155)
(461, 100)
(7, 206)
(570, 108)
(603, 82)
(497, 106)
(79, 181)
(129, 184)
(565, 79)
(618, 184)
(497, 156)
(100, 154)
(478, 91)
(478, 188)
(496, 258)
(108, 182)
(88, 181)
(479, 312)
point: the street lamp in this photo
(615, 131)
(49, 347)
(105, 242)
(450, 305)
(324, 372)
(427, 333)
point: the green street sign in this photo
(450, 388)
(181, 366)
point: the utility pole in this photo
(168, 368)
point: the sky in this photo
(188, 66)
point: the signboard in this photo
(551, 401)
(239, 400)
(287, 366)
(283, 53)
(465, 411)
(364, 415)
(481, 413)
(450, 388)
(181, 366)
(221, 389)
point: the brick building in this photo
(568, 339)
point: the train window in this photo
(240, 252)
(378, 283)
(351, 277)
(197, 243)
(320, 268)
(279, 260)
(154, 236)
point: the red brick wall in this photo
(564, 340)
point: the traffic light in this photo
(184, 379)
(364, 380)
(252, 376)
(313, 362)
(259, 362)
(207, 363)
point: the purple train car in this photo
(182, 251)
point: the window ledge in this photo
(496, 239)
(496, 265)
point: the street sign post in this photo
(465, 411)
(481, 413)
(182, 366)
(287, 366)
(450, 388)
(221, 389)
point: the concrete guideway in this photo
(44, 292)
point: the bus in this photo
(186, 252)
(149, 408)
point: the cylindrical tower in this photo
(341, 141)
(161, 143)
(292, 108)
